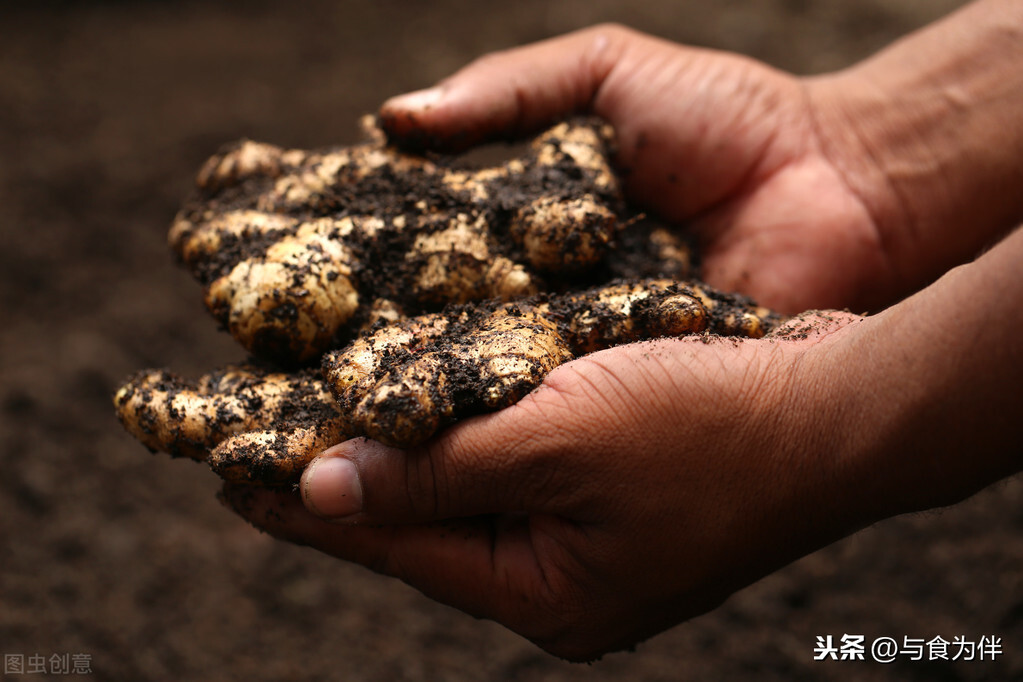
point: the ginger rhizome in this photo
(389, 295)
(295, 248)
(401, 382)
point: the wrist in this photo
(924, 397)
(927, 134)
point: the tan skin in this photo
(642, 485)
(743, 169)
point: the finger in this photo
(489, 464)
(507, 93)
(674, 109)
(484, 566)
(537, 455)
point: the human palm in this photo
(720, 143)
(642, 484)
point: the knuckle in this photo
(554, 414)
(577, 380)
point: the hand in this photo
(642, 485)
(848, 190)
(725, 143)
(638, 487)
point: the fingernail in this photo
(420, 100)
(331, 488)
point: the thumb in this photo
(481, 466)
(675, 110)
(507, 93)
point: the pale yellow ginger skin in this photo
(251, 158)
(241, 420)
(273, 456)
(400, 382)
(749, 323)
(193, 242)
(460, 266)
(298, 288)
(314, 260)
(508, 353)
(291, 297)
(547, 225)
(189, 418)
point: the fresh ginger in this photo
(275, 418)
(402, 381)
(293, 247)
(347, 254)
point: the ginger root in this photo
(416, 281)
(402, 381)
(293, 247)
(276, 419)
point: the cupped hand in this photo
(642, 485)
(637, 487)
(734, 149)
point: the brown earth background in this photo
(107, 109)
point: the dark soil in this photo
(107, 110)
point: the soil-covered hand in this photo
(641, 485)
(717, 140)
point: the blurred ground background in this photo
(107, 109)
